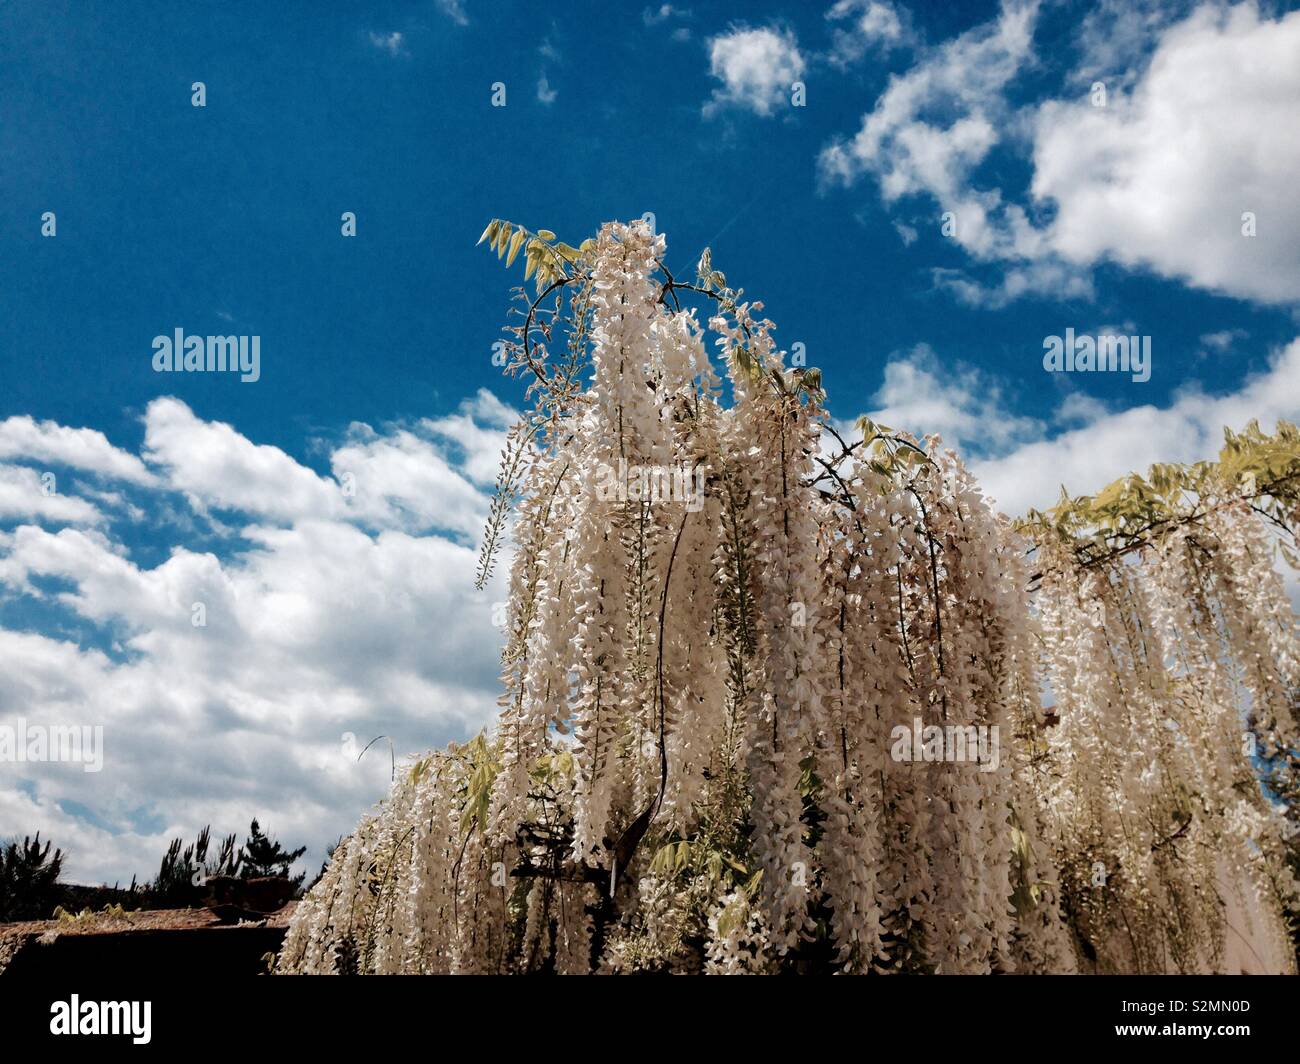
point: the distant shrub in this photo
(29, 878)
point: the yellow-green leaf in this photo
(515, 242)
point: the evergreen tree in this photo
(28, 879)
(264, 856)
(184, 869)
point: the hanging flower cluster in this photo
(1156, 811)
(773, 701)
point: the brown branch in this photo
(1182, 830)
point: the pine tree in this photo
(263, 856)
(185, 869)
(28, 879)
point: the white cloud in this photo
(545, 93)
(1222, 340)
(923, 393)
(906, 233)
(403, 481)
(1022, 462)
(653, 16)
(478, 432)
(1115, 35)
(219, 468)
(663, 13)
(931, 128)
(315, 627)
(756, 67)
(395, 480)
(23, 494)
(870, 24)
(455, 11)
(87, 449)
(392, 43)
(1079, 407)
(934, 124)
(1109, 444)
(1046, 278)
(1160, 178)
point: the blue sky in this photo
(376, 350)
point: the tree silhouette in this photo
(28, 879)
(185, 868)
(263, 856)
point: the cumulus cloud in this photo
(1046, 278)
(1115, 36)
(219, 468)
(477, 432)
(1109, 444)
(245, 682)
(863, 25)
(85, 449)
(1161, 178)
(756, 67)
(24, 493)
(401, 480)
(923, 394)
(1022, 462)
(935, 123)
(1183, 172)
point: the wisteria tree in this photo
(783, 697)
